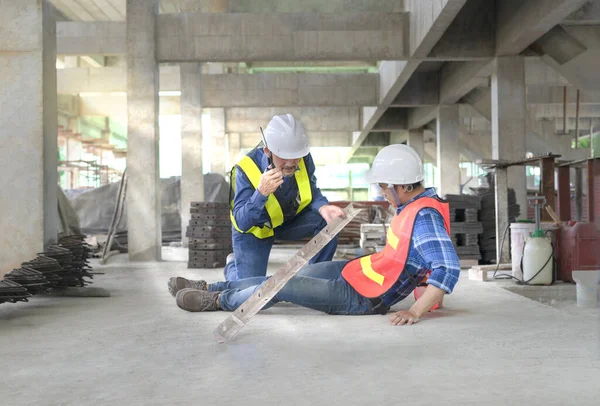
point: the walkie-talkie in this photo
(270, 156)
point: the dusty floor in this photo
(488, 346)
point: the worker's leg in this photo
(251, 257)
(307, 224)
(333, 296)
(324, 270)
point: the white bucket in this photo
(588, 288)
(519, 232)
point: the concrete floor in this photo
(488, 346)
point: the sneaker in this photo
(194, 300)
(177, 283)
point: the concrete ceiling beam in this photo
(519, 26)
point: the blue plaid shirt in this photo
(430, 250)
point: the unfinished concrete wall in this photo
(221, 37)
(278, 6)
(89, 38)
(28, 130)
(333, 119)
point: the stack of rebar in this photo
(209, 234)
(61, 266)
(34, 281)
(12, 292)
(50, 268)
(81, 252)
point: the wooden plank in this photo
(263, 295)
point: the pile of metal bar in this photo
(209, 234)
(60, 267)
(81, 252)
(12, 292)
(34, 281)
(50, 268)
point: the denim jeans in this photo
(252, 254)
(318, 287)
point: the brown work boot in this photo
(194, 300)
(177, 283)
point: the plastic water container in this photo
(538, 261)
(518, 233)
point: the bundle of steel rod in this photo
(34, 281)
(12, 292)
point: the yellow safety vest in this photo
(273, 207)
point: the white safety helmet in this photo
(286, 137)
(396, 164)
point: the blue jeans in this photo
(252, 254)
(318, 287)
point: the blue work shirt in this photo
(249, 204)
(430, 250)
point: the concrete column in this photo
(448, 151)
(28, 131)
(192, 176)
(509, 121)
(143, 186)
(416, 140)
(217, 120)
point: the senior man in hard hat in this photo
(418, 251)
(275, 195)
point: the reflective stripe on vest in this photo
(375, 274)
(272, 206)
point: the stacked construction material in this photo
(81, 251)
(60, 267)
(372, 213)
(373, 235)
(32, 280)
(12, 292)
(487, 214)
(464, 225)
(209, 234)
(49, 267)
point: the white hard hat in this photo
(286, 137)
(396, 164)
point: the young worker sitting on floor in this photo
(418, 247)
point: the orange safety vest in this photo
(373, 275)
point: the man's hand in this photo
(270, 181)
(404, 317)
(330, 212)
